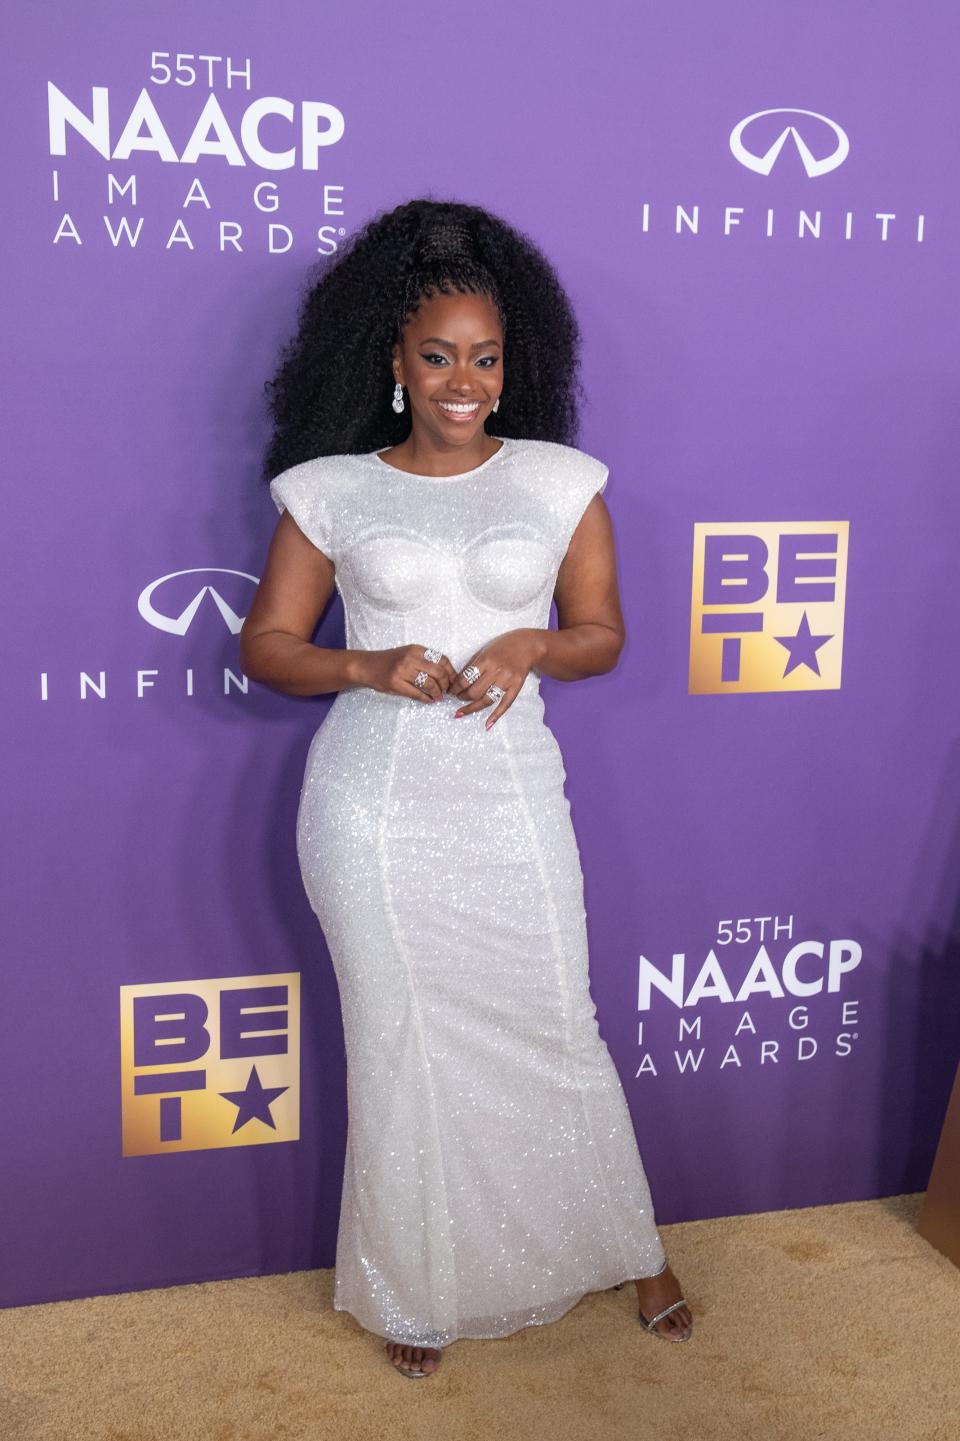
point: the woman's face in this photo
(451, 355)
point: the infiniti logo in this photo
(148, 680)
(180, 624)
(763, 164)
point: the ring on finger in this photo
(495, 693)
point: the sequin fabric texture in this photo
(492, 1172)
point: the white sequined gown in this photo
(492, 1171)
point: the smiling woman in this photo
(492, 1174)
(337, 375)
(451, 383)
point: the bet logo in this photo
(767, 606)
(210, 1063)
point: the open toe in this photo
(413, 1366)
(669, 1335)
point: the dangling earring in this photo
(496, 404)
(398, 397)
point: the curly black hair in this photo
(332, 389)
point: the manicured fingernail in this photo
(488, 724)
(457, 714)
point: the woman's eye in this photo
(487, 361)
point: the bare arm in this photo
(275, 641)
(591, 631)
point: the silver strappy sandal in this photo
(651, 1325)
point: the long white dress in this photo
(492, 1172)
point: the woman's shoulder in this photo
(321, 473)
(567, 462)
(320, 493)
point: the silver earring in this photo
(496, 404)
(398, 397)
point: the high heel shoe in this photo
(651, 1325)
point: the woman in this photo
(422, 465)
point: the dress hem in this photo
(473, 1335)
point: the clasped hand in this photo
(505, 661)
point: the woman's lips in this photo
(459, 417)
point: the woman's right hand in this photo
(392, 672)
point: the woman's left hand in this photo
(506, 662)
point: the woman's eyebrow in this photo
(450, 345)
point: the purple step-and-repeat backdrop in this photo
(755, 210)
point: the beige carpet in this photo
(834, 1321)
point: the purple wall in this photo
(746, 388)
